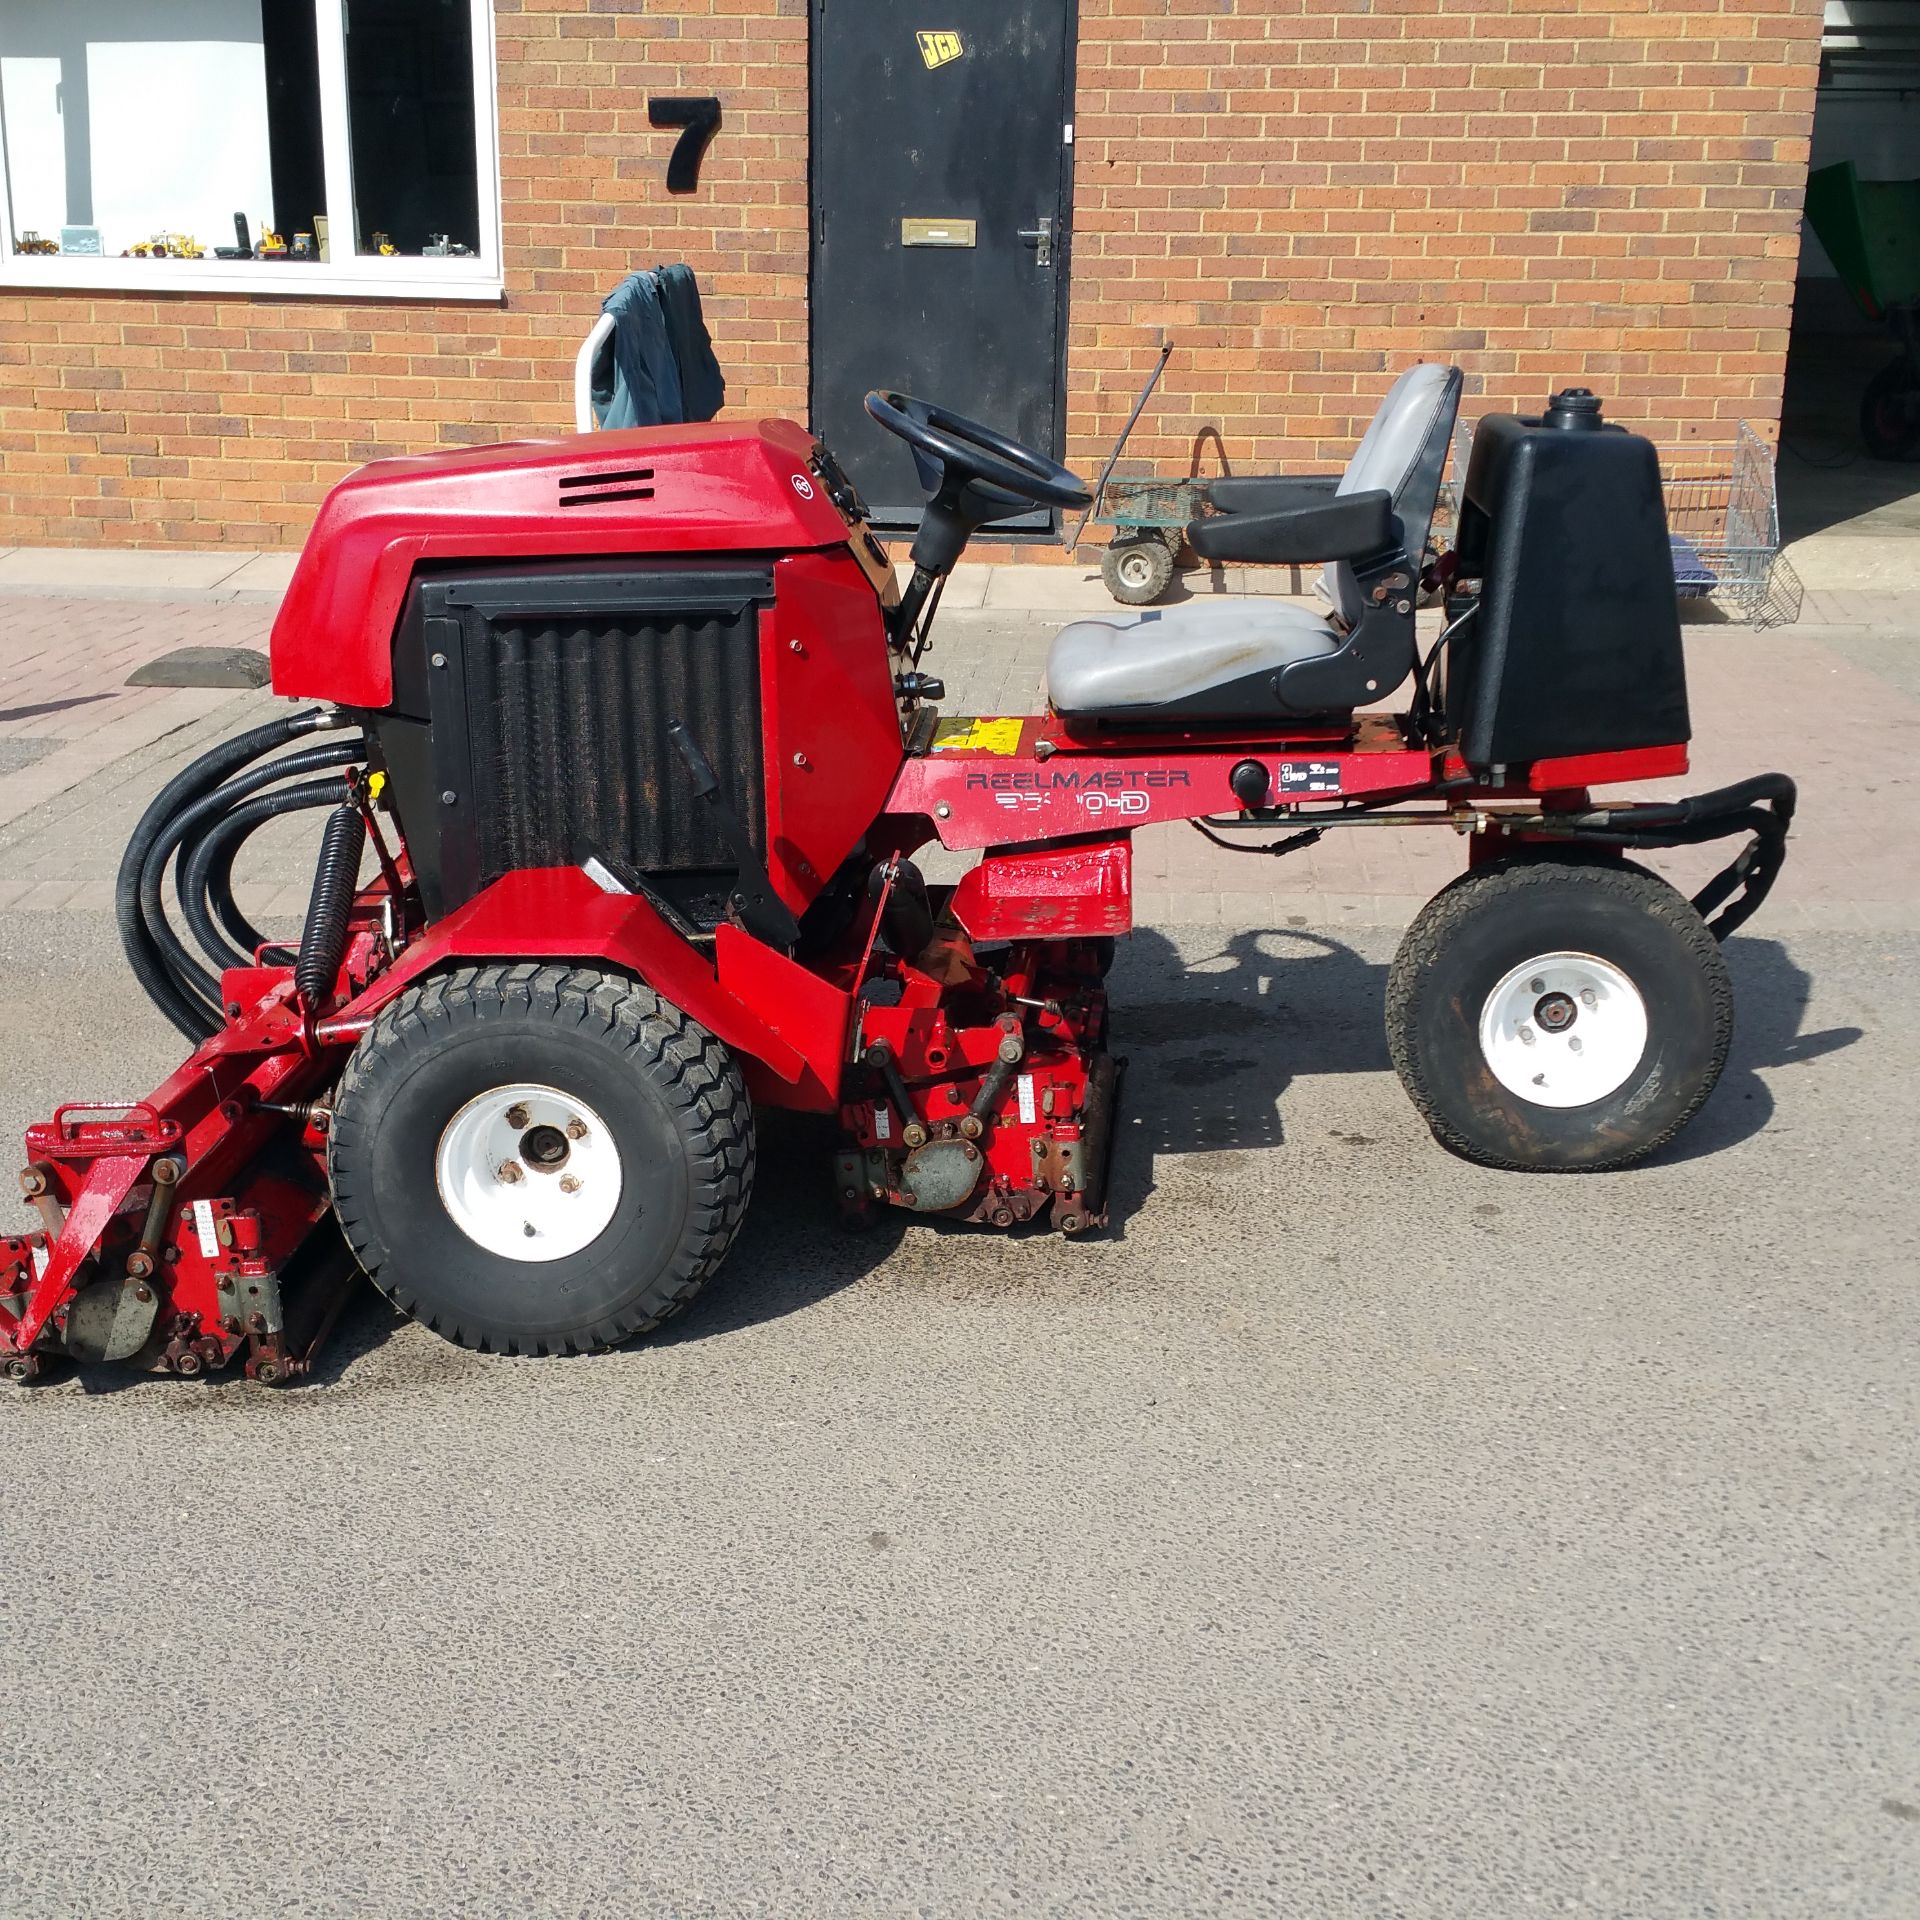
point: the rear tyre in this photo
(1561, 1017)
(539, 1159)
(1890, 412)
(1137, 569)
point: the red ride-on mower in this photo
(637, 726)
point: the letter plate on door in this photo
(936, 233)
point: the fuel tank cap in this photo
(1574, 409)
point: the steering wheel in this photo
(968, 452)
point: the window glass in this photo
(218, 132)
(135, 126)
(416, 187)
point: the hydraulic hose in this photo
(189, 828)
(136, 937)
(1762, 807)
(222, 842)
(226, 909)
(323, 941)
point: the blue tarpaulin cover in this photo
(659, 368)
(703, 388)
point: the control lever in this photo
(761, 911)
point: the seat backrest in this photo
(1404, 451)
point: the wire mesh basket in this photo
(1723, 519)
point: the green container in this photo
(1871, 231)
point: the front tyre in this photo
(539, 1159)
(1558, 1016)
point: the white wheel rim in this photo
(1136, 569)
(1563, 1030)
(528, 1172)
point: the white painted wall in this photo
(159, 117)
(1878, 132)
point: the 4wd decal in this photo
(939, 46)
(1309, 776)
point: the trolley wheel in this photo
(1556, 1016)
(539, 1159)
(1137, 568)
(1890, 412)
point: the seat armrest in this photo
(1347, 526)
(1269, 492)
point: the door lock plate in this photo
(1040, 238)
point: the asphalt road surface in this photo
(1353, 1531)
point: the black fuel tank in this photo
(1576, 646)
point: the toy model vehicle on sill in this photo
(638, 728)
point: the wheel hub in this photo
(544, 1148)
(1563, 1030)
(528, 1172)
(1556, 1011)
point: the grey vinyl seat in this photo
(1167, 657)
(1246, 659)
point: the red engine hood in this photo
(698, 489)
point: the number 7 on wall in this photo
(697, 115)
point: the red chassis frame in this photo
(216, 1182)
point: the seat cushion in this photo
(1208, 659)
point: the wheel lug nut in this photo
(509, 1171)
(568, 1184)
(1536, 986)
(1526, 1036)
(576, 1129)
(1574, 1043)
(1588, 998)
(516, 1116)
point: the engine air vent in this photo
(591, 489)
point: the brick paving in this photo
(1805, 699)
(66, 712)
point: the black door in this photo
(941, 144)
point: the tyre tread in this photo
(1481, 891)
(686, 1063)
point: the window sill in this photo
(366, 279)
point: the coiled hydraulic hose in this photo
(225, 909)
(217, 846)
(323, 942)
(186, 832)
(188, 1011)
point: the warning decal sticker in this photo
(938, 47)
(1000, 736)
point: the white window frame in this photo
(352, 277)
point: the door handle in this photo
(1040, 239)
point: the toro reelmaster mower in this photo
(637, 727)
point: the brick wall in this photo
(199, 420)
(1311, 193)
(1307, 193)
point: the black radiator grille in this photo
(530, 716)
(567, 725)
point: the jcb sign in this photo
(937, 47)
